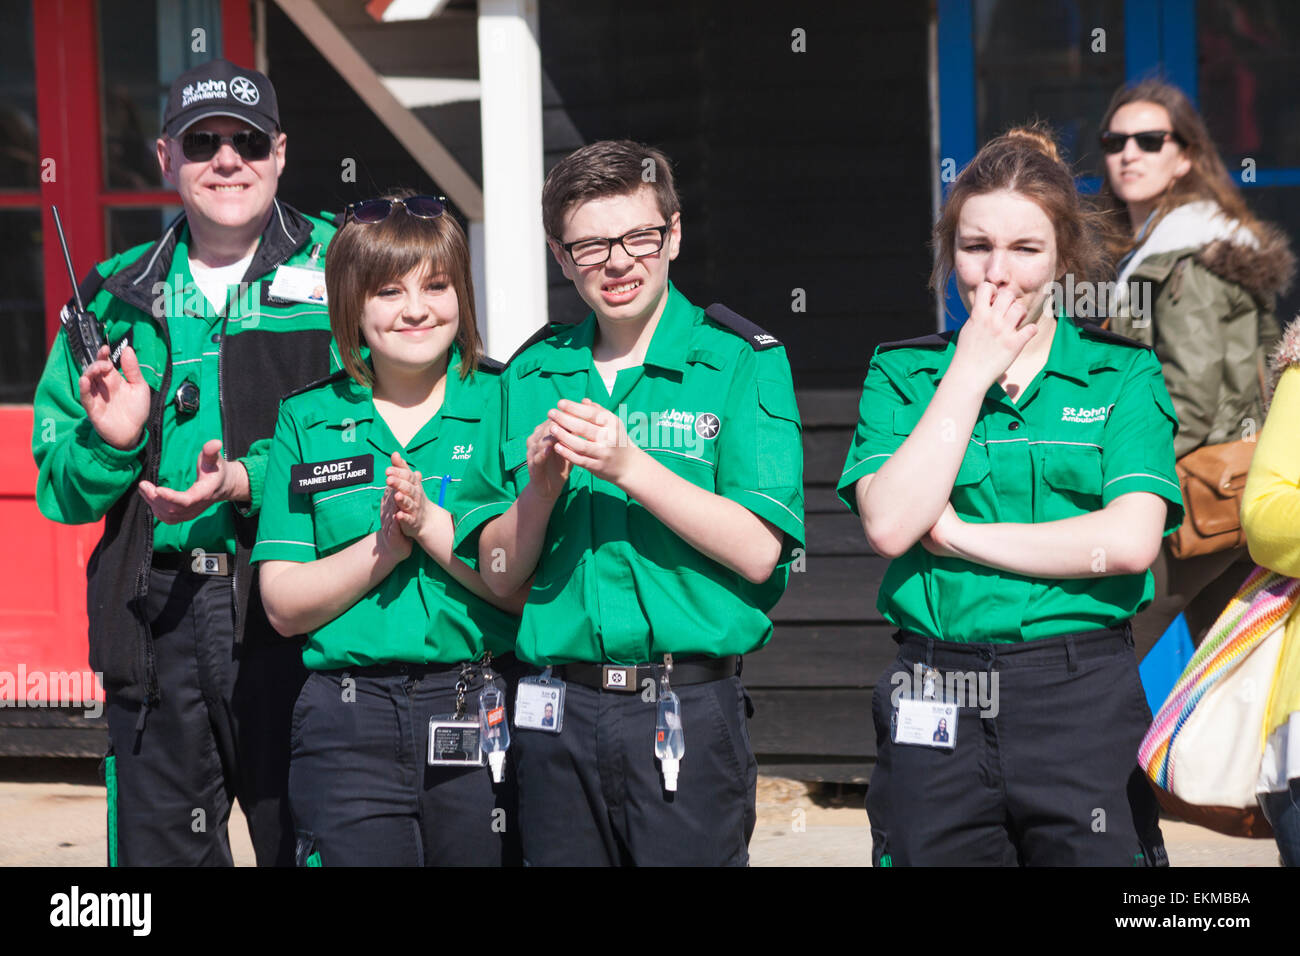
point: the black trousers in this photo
(592, 795)
(360, 785)
(219, 732)
(1047, 777)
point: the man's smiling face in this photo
(226, 190)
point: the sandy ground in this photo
(52, 814)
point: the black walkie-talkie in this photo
(84, 334)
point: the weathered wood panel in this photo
(822, 656)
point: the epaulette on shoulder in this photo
(330, 379)
(545, 332)
(1106, 335)
(939, 340)
(490, 365)
(758, 339)
(334, 219)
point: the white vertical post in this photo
(514, 261)
(477, 273)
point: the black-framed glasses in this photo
(370, 211)
(637, 244)
(200, 146)
(1151, 141)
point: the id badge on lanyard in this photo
(454, 739)
(926, 722)
(539, 703)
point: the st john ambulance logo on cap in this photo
(244, 90)
(707, 425)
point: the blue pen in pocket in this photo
(442, 490)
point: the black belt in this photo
(1063, 648)
(417, 671)
(380, 671)
(631, 679)
(216, 563)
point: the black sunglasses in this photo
(201, 145)
(370, 211)
(1151, 141)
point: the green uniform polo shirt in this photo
(419, 613)
(613, 584)
(1094, 424)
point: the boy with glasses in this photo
(647, 475)
(164, 435)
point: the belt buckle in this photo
(215, 564)
(617, 678)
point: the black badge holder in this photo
(85, 337)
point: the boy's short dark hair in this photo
(610, 167)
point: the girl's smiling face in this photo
(410, 323)
(1005, 238)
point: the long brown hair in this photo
(1025, 160)
(1207, 179)
(363, 257)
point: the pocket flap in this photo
(1074, 468)
(777, 399)
(514, 452)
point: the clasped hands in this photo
(406, 515)
(583, 434)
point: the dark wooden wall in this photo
(797, 170)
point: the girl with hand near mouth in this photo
(1019, 476)
(355, 552)
(1213, 271)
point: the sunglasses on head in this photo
(370, 211)
(201, 145)
(1151, 141)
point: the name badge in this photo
(928, 723)
(298, 284)
(455, 743)
(539, 703)
(313, 476)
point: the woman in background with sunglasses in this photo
(1197, 278)
(355, 552)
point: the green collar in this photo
(571, 351)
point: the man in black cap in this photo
(165, 437)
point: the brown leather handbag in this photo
(1212, 478)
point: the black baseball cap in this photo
(219, 88)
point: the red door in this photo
(82, 83)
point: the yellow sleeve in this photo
(1270, 510)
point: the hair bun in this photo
(1038, 137)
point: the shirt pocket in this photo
(974, 466)
(342, 517)
(1072, 474)
(657, 544)
(780, 451)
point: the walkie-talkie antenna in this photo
(67, 259)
